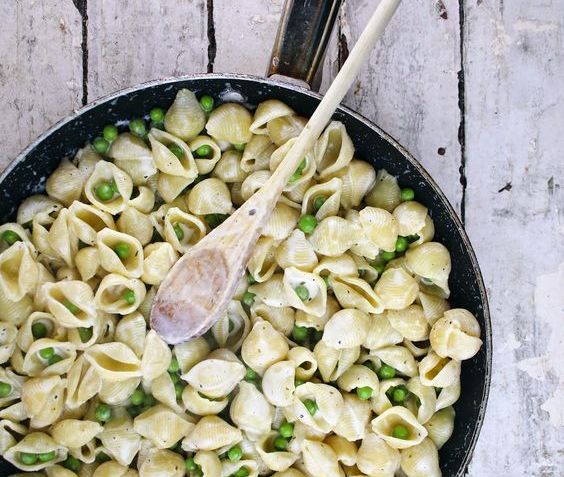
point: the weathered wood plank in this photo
(40, 70)
(130, 42)
(410, 85)
(244, 34)
(514, 66)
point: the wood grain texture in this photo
(40, 69)
(514, 70)
(130, 42)
(410, 85)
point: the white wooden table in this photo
(475, 89)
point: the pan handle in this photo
(303, 34)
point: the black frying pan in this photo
(27, 174)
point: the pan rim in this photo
(383, 134)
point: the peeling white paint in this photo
(535, 26)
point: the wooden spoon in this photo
(198, 288)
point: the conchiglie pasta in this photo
(131, 154)
(162, 426)
(211, 196)
(456, 335)
(386, 193)
(185, 118)
(107, 174)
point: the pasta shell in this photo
(116, 393)
(16, 382)
(236, 196)
(358, 178)
(232, 328)
(439, 372)
(74, 433)
(9, 430)
(386, 193)
(156, 357)
(376, 458)
(346, 329)
(434, 307)
(381, 333)
(397, 289)
(333, 362)
(256, 156)
(345, 450)
(250, 411)
(215, 378)
(329, 403)
(192, 228)
(25, 336)
(282, 129)
(43, 399)
(86, 158)
(210, 196)
(87, 262)
(263, 347)
(82, 383)
(30, 207)
(271, 292)
(230, 122)
(111, 291)
(410, 323)
(228, 169)
(8, 334)
(229, 468)
(159, 259)
(254, 182)
(262, 265)
(316, 300)
(333, 236)
(163, 463)
(296, 252)
(358, 376)
(163, 390)
(142, 199)
(441, 426)
(304, 361)
(274, 459)
(317, 322)
(354, 419)
(198, 404)
(329, 192)
(278, 383)
(35, 365)
(342, 265)
(162, 426)
(168, 162)
(113, 469)
(380, 227)
(282, 318)
(430, 262)
(410, 217)
(399, 358)
(137, 224)
(170, 187)
(423, 407)
(35, 443)
(283, 220)
(384, 424)
(65, 183)
(130, 330)
(185, 118)
(352, 292)
(297, 192)
(132, 265)
(211, 433)
(18, 272)
(334, 149)
(106, 172)
(303, 174)
(15, 312)
(320, 459)
(190, 353)
(267, 111)
(448, 396)
(421, 460)
(131, 154)
(114, 361)
(456, 335)
(79, 294)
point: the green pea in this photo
(412, 238)
(318, 202)
(134, 411)
(129, 296)
(311, 406)
(250, 375)
(250, 279)
(47, 353)
(280, 443)
(400, 394)
(137, 126)
(302, 292)
(379, 267)
(174, 378)
(69, 305)
(174, 366)
(298, 382)
(103, 457)
(178, 390)
(215, 220)
(103, 413)
(286, 430)
(85, 334)
(178, 231)
(300, 333)
(5, 389)
(28, 458)
(307, 223)
(137, 397)
(242, 472)
(387, 256)
(248, 298)
(364, 393)
(54, 359)
(176, 150)
(203, 151)
(39, 330)
(10, 237)
(100, 145)
(47, 456)
(110, 132)
(122, 250)
(157, 115)
(206, 103)
(400, 432)
(386, 372)
(369, 365)
(234, 454)
(326, 280)
(72, 463)
(239, 147)
(407, 193)
(149, 401)
(401, 244)
(191, 464)
(114, 186)
(298, 172)
(104, 191)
